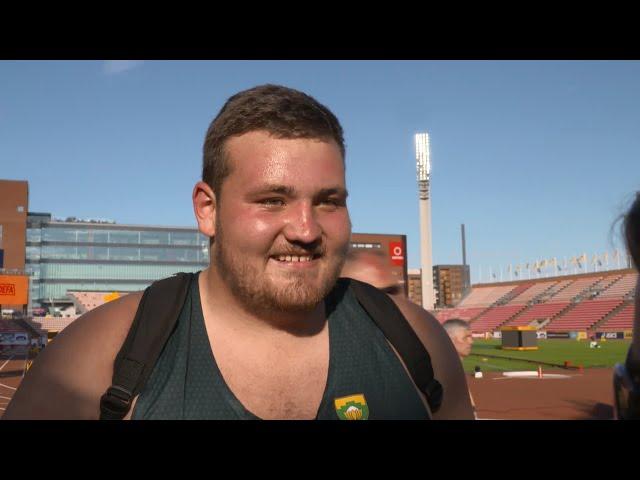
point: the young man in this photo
(263, 333)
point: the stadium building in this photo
(451, 284)
(77, 255)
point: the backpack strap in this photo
(155, 319)
(395, 327)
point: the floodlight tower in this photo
(423, 166)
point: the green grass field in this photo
(489, 356)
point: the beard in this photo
(261, 292)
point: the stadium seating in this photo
(494, 317)
(53, 324)
(485, 296)
(553, 290)
(595, 301)
(596, 289)
(583, 315)
(532, 292)
(541, 311)
(620, 321)
(576, 288)
(87, 301)
(620, 289)
(463, 313)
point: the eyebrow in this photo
(290, 191)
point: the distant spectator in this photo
(372, 267)
(460, 334)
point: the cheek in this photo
(248, 229)
(337, 227)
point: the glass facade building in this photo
(75, 255)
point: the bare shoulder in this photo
(447, 367)
(70, 375)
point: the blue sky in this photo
(537, 159)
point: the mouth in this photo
(295, 259)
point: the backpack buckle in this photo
(115, 403)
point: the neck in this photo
(221, 305)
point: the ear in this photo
(204, 207)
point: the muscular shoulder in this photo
(68, 378)
(447, 366)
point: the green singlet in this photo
(366, 379)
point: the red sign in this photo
(397, 253)
(14, 289)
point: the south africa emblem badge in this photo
(353, 407)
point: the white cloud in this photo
(113, 67)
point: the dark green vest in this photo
(366, 379)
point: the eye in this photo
(332, 202)
(272, 202)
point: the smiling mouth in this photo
(295, 258)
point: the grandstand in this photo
(538, 314)
(622, 288)
(495, 317)
(532, 292)
(583, 315)
(620, 320)
(87, 301)
(599, 301)
(485, 296)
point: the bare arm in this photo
(68, 378)
(447, 367)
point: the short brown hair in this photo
(632, 230)
(281, 111)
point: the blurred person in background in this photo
(372, 267)
(460, 334)
(626, 379)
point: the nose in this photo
(302, 225)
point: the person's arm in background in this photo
(447, 367)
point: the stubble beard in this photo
(256, 290)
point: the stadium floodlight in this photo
(423, 166)
(423, 160)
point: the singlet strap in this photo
(153, 323)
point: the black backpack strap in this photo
(155, 319)
(388, 317)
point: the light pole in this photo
(423, 167)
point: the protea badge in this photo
(353, 407)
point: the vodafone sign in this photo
(396, 251)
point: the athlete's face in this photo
(282, 227)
